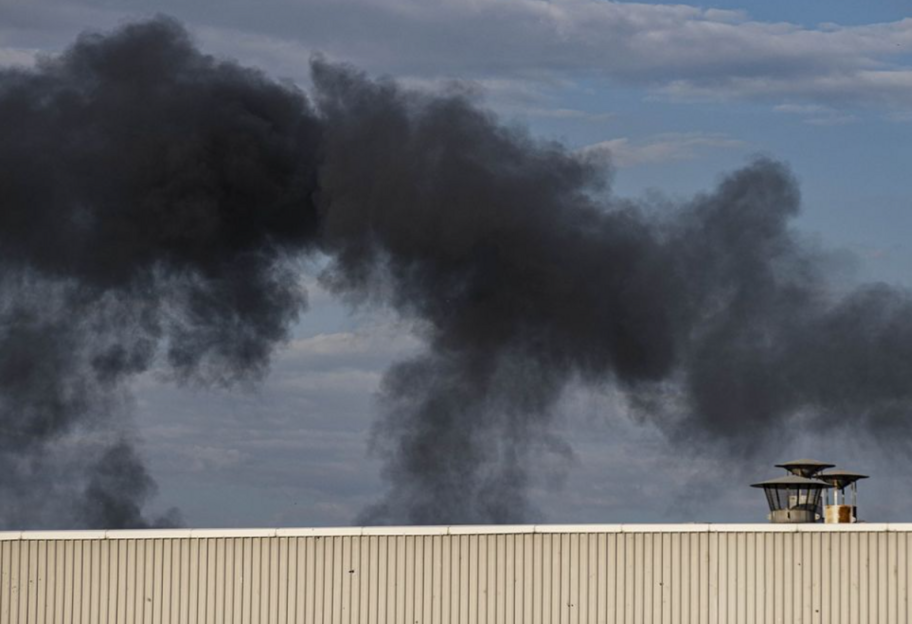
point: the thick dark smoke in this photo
(104, 503)
(524, 274)
(157, 204)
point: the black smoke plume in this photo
(157, 203)
(524, 274)
(153, 205)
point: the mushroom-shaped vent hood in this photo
(792, 481)
(840, 478)
(805, 467)
(792, 498)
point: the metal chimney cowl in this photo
(797, 497)
(793, 498)
(840, 510)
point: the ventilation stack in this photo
(797, 497)
(838, 510)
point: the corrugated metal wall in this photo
(717, 574)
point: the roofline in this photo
(524, 529)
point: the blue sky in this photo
(676, 94)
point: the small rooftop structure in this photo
(793, 498)
(797, 497)
(839, 510)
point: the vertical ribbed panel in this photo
(563, 577)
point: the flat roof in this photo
(463, 529)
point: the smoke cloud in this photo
(157, 205)
(524, 274)
(155, 202)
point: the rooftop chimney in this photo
(838, 511)
(797, 496)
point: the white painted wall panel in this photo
(662, 574)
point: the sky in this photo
(676, 94)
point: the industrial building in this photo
(715, 574)
(782, 572)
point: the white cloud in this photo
(623, 152)
(17, 57)
(833, 120)
(205, 458)
(377, 340)
(803, 109)
(816, 114)
(561, 113)
(677, 50)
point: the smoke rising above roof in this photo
(154, 203)
(157, 204)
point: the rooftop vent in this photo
(797, 497)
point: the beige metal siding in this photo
(712, 574)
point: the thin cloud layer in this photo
(622, 152)
(678, 51)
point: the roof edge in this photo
(904, 527)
